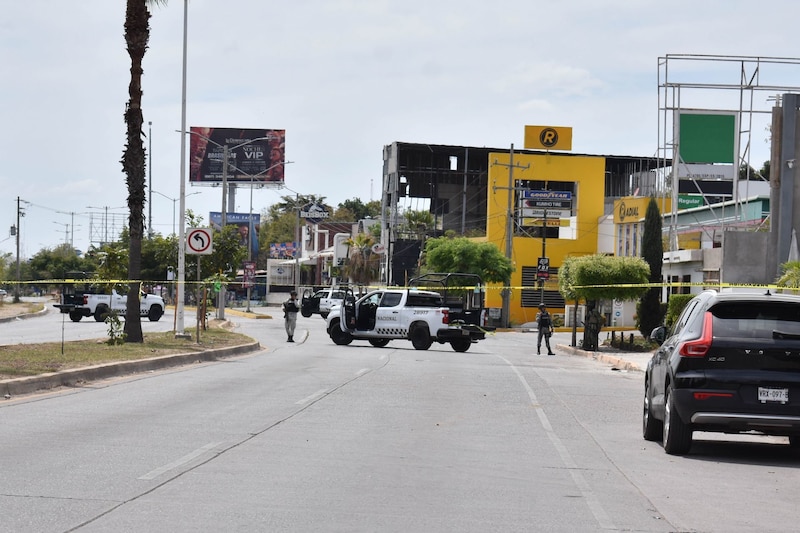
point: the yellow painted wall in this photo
(587, 172)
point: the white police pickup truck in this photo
(99, 305)
(411, 314)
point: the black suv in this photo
(730, 363)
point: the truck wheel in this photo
(155, 313)
(306, 312)
(75, 316)
(420, 338)
(339, 337)
(461, 345)
(379, 343)
(100, 313)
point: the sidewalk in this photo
(620, 360)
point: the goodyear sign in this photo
(548, 138)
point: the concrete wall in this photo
(747, 258)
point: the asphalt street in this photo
(270, 319)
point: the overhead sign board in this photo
(545, 213)
(254, 155)
(314, 213)
(199, 241)
(548, 138)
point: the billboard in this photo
(247, 224)
(253, 155)
(707, 137)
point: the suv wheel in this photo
(677, 435)
(652, 429)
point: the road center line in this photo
(182, 461)
(589, 495)
(311, 398)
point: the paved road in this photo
(313, 436)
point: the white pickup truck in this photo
(411, 314)
(99, 305)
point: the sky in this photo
(344, 78)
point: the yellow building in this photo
(562, 193)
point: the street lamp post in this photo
(173, 200)
(250, 227)
(179, 308)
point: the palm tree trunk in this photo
(137, 34)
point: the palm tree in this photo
(362, 266)
(137, 35)
(790, 275)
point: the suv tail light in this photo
(445, 316)
(699, 347)
(85, 300)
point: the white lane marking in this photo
(311, 398)
(182, 461)
(577, 477)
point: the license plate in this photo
(772, 394)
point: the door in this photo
(389, 319)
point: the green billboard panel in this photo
(707, 137)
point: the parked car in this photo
(3, 293)
(730, 363)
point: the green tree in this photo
(601, 277)
(459, 254)
(415, 225)
(358, 209)
(55, 263)
(137, 35)
(649, 313)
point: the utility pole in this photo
(20, 213)
(506, 292)
(150, 179)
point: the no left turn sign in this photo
(198, 241)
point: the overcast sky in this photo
(343, 78)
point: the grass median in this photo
(21, 360)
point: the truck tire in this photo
(75, 316)
(100, 313)
(155, 313)
(420, 338)
(339, 337)
(379, 343)
(461, 345)
(306, 312)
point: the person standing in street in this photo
(544, 323)
(290, 309)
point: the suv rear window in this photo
(756, 319)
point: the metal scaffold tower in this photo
(703, 94)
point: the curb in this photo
(25, 316)
(77, 376)
(615, 360)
